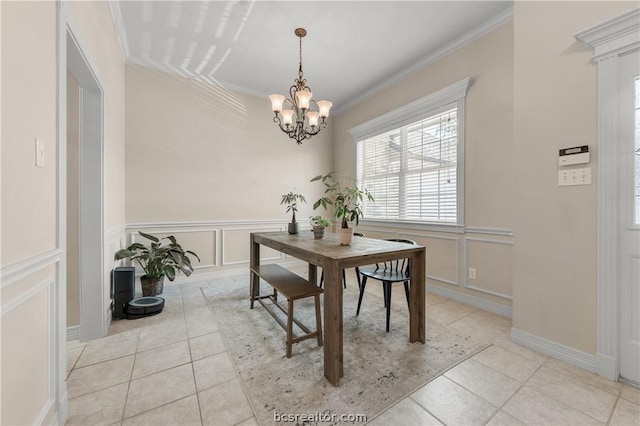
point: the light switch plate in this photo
(574, 177)
(39, 153)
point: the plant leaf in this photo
(149, 237)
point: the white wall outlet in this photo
(472, 273)
(574, 177)
(39, 153)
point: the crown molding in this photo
(613, 36)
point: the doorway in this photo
(84, 202)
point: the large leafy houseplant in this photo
(291, 200)
(158, 260)
(346, 198)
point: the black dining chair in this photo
(344, 277)
(388, 273)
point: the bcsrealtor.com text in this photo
(317, 417)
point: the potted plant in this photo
(346, 199)
(319, 223)
(158, 260)
(291, 200)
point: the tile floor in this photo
(174, 369)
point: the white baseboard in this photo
(556, 350)
(73, 333)
(607, 366)
(467, 299)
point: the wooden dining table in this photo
(333, 258)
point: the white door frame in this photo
(73, 56)
(609, 40)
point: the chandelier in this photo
(299, 121)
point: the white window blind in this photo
(412, 170)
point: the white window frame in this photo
(420, 109)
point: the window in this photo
(413, 166)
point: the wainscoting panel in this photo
(493, 260)
(443, 256)
(32, 360)
(235, 245)
(201, 241)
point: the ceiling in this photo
(352, 49)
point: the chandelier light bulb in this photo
(313, 118)
(324, 107)
(287, 116)
(276, 102)
(304, 98)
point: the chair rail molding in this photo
(609, 40)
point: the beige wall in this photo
(555, 227)
(28, 206)
(33, 321)
(488, 172)
(199, 154)
(213, 161)
(28, 108)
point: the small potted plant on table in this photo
(319, 223)
(291, 200)
(157, 261)
(346, 199)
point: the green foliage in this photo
(291, 200)
(320, 221)
(346, 198)
(158, 259)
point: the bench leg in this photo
(318, 320)
(289, 328)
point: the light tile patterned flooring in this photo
(174, 369)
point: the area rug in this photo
(380, 368)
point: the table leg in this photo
(254, 260)
(417, 312)
(333, 361)
(313, 274)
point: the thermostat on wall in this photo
(576, 155)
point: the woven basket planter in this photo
(151, 286)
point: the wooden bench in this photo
(293, 287)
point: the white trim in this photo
(470, 300)
(421, 226)
(413, 111)
(466, 266)
(16, 271)
(609, 39)
(24, 296)
(488, 231)
(474, 34)
(172, 225)
(556, 350)
(614, 36)
(73, 333)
